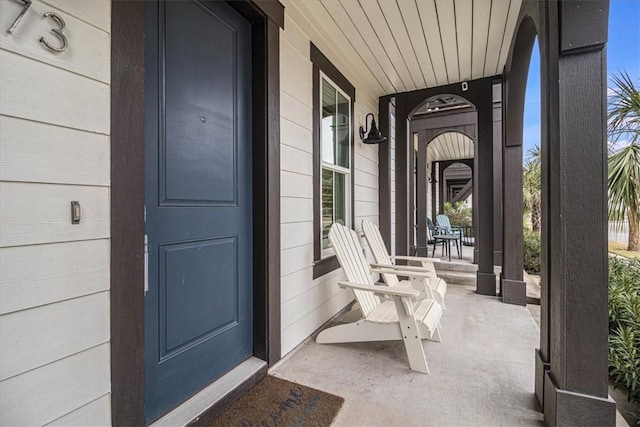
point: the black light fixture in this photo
(374, 137)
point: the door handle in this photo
(146, 264)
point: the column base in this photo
(566, 408)
(542, 366)
(513, 291)
(486, 283)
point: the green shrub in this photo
(624, 324)
(459, 214)
(531, 251)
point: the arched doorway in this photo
(398, 119)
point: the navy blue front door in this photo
(198, 306)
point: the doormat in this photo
(277, 402)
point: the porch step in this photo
(457, 277)
(458, 267)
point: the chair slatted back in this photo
(378, 249)
(349, 252)
(443, 221)
(375, 242)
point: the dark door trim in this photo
(127, 196)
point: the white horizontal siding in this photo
(296, 234)
(295, 110)
(313, 297)
(295, 184)
(296, 259)
(313, 319)
(295, 209)
(41, 92)
(307, 303)
(88, 53)
(54, 276)
(95, 12)
(52, 391)
(294, 135)
(65, 156)
(36, 337)
(32, 276)
(296, 160)
(87, 415)
(40, 213)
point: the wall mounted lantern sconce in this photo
(374, 136)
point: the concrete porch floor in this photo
(482, 373)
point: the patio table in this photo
(447, 239)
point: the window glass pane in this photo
(339, 199)
(328, 128)
(327, 205)
(342, 131)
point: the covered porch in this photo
(115, 313)
(480, 374)
(397, 46)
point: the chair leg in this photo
(413, 345)
(412, 341)
(436, 334)
(440, 300)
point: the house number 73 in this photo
(57, 31)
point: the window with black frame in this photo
(333, 106)
(335, 146)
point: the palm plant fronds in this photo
(624, 164)
(624, 183)
(623, 115)
(532, 186)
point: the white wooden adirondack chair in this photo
(404, 317)
(421, 272)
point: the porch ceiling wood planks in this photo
(314, 19)
(433, 38)
(499, 15)
(445, 12)
(361, 36)
(464, 21)
(413, 26)
(394, 19)
(390, 44)
(512, 18)
(450, 146)
(480, 33)
(405, 45)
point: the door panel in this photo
(200, 144)
(208, 314)
(198, 307)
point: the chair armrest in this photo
(397, 267)
(414, 258)
(405, 271)
(386, 290)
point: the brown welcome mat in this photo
(277, 402)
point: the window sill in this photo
(324, 266)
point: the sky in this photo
(623, 53)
